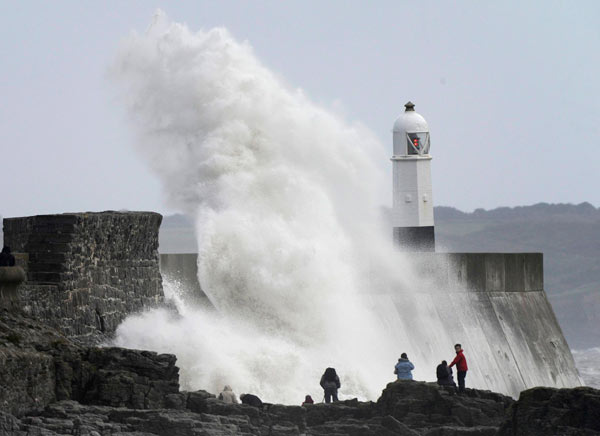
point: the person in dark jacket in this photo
(308, 400)
(251, 400)
(330, 382)
(461, 366)
(404, 367)
(444, 374)
(6, 258)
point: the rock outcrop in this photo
(429, 408)
(87, 271)
(50, 385)
(40, 366)
(547, 411)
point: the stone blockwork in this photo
(87, 271)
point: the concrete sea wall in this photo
(182, 271)
(85, 272)
(494, 304)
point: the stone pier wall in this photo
(492, 303)
(87, 271)
(495, 305)
(181, 271)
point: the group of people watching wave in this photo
(404, 367)
(330, 381)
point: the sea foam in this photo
(286, 198)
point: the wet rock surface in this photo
(53, 386)
(544, 411)
(40, 366)
(70, 417)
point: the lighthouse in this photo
(412, 213)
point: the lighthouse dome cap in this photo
(410, 121)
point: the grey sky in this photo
(510, 91)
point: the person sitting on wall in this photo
(6, 258)
(251, 400)
(403, 368)
(308, 400)
(444, 375)
(227, 396)
(330, 382)
(461, 365)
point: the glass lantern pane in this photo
(426, 143)
(414, 143)
(418, 143)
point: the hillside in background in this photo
(569, 237)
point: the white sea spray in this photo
(286, 198)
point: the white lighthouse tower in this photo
(412, 214)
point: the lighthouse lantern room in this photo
(412, 214)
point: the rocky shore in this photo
(50, 385)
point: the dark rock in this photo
(424, 405)
(197, 401)
(40, 366)
(544, 411)
(27, 376)
(9, 425)
(53, 386)
(218, 419)
(176, 401)
(129, 378)
(462, 431)
(392, 424)
(319, 414)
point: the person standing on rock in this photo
(227, 396)
(330, 382)
(403, 368)
(444, 374)
(461, 365)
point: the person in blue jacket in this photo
(404, 368)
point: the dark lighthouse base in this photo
(414, 238)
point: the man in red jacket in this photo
(461, 365)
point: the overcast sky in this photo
(510, 89)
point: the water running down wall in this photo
(493, 303)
